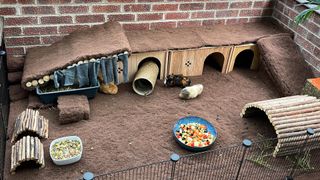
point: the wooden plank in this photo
(238, 49)
(31, 148)
(182, 62)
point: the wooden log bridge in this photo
(30, 122)
(27, 149)
(290, 117)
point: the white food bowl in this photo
(69, 160)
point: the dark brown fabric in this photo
(73, 108)
(218, 35)
(17, 93)
(100, 40)
(15, 63)
(35, 103)
(284, 63)
(14, 77)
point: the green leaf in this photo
(305, 14)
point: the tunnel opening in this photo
(153, 59)
(244, 59)
(215, 61)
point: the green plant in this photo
(305, 14)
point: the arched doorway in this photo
(215, 60)
(244, 59)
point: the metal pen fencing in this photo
(250, 160)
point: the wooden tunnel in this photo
(290, 117)
(27, 149)
(137, 59)
(30, 122)
(245, 49)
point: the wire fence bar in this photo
(252, 161)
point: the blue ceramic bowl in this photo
(194, 119)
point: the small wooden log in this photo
(28, 84)
(40, 81)
(46, 78)
(34, 83)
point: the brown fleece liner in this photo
(14, 77)
(218, 35)
(17, 93)
(73, 108)
(284, 63)
(101, 40)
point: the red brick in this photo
(227, 13)
(56, 19)
(253, 12)
(150, 0)
(22, 41)
(314, 39)
(26, 1)
(240, 5)
(203, 14)
(69, 29)
(263, 4)
(51, 39)
(38, 10)
(189, 23)
(7, 11)
(137, 8)
(89, 18)
(87, 1)
(165, 7)
(161, 25)
(53, 1)
(20, 21)
(120, 1)
(179, 0)
(39, 30)
(217, 5)
(279, 6)
(213, 22)
(267, 12)
(106, 8)
(312, 27)
(73, 9)
(15, 50)
(121, 17)
(8, 2)
(146, 17)
(176, 15)
(192, 6)
(316, 52)
(140, 26)
(304, 43)
(12, 31)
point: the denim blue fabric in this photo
(69, 76)
(109, 70)
(115, 69)
(93, 73)
(83, 75)
(124, 58)
(58, 78)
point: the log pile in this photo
(26, 149)
(290, 117)
(30, 121)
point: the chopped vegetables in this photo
(66, 149)
(194, 135)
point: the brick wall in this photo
(30, 23)
(307, 35)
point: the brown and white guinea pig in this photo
(191, 92)
(177, 80)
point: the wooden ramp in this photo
(290, 117)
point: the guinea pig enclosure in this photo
(242, 67)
